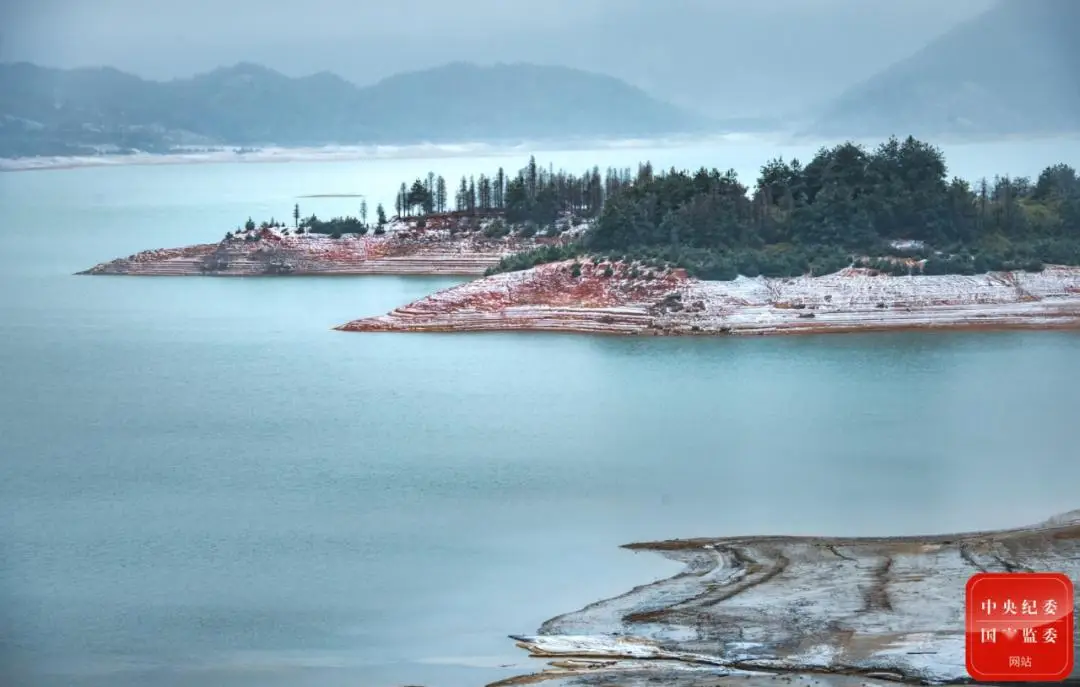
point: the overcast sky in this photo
(734, 56)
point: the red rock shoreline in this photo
(403, 250)
(550, 298)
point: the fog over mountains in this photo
(325, 71)
(1014, 69)
(724, 58)
(63, 112)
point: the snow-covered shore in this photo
(551, 298)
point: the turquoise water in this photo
(202, 483)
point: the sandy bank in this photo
(551, 298)
(403, 250)
(879, 610)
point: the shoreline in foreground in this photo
(604, 298)
(872, 610)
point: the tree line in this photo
(894, 205)
(532, 194)
(336, 227)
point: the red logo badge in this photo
(1019, 627)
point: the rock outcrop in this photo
(622, 299)
(403, 250)
(830, 610)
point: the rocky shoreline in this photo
(821, 609)
(615, 298)
(405, 249)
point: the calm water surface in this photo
(203, 484)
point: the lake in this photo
(202, 483)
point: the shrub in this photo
(496, 229)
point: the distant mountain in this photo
(722, 58)
(1012, 70)
(59, 112)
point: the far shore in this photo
(333, 195)
(229, 154)
(268, 154)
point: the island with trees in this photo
(852, 239)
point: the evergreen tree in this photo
(463, 195)
(440, 194)
(483, 191)
(531, 177)
(500, 188)
(418, 197)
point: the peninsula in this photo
(617, 298)
(492, 220)
(440, 246)
(855, 239)
(839, 610)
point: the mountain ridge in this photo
(49, 111)
(1009, 70)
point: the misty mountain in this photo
(1013, 70)
(46, 111)
(723, 58)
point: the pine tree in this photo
(380, 214)
(363, 211)
(483, 191)
(417, 197)
(500, 188)
(462, 195)
(471, 197)
(530, 177)
(440, 194)
(296, 216)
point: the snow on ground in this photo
(861, 297)
(548, 297)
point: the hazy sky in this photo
(727, 56)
